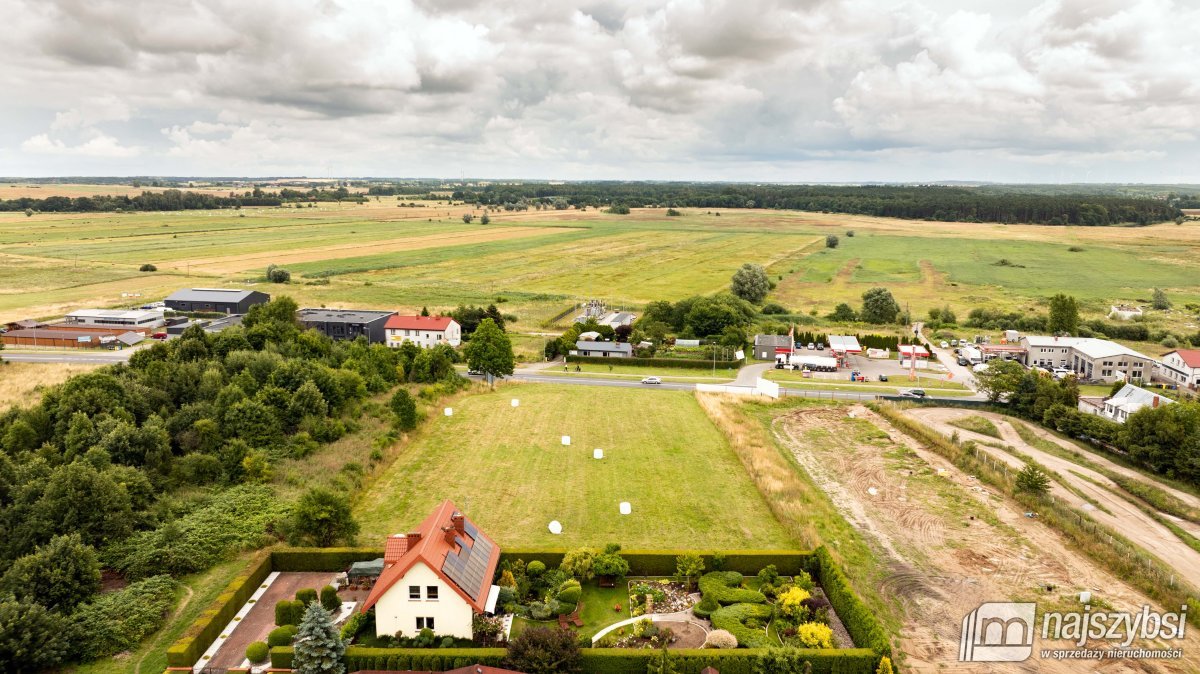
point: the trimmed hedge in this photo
(662, 562)
(320, 559)
(732, 619)
(726, 588)
(741, 661)
(860, 622)
(687, 363)
(329, 598)
(208, 625)
(306, 595)
(281, 636)
(257, 652)
(401, 659)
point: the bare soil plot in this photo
(1123, 516)
(259, 622)
(952, 543)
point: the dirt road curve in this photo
(1125, 516)
(947, 544)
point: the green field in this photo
(507, 467)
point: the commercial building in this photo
(1181, 368)
(843, 344)
(424, 331)
(767, 347)
(1089, 358)
(217, 300)
(115, 318)
(347, 324)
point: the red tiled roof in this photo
(432, 549)
(396, 547)
(1190, 357)
(398, 322)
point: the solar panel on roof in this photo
(468, 567)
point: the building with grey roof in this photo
(215, 300)
(766, 346)
(347, 324)
(603, 349)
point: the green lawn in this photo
(598, 611)
(506, 467)
(931, 385)
(977, 424)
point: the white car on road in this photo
(652, 380)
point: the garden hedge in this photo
(732, 619)
(208, 625)
(320, 559)
(662, 562)
(402, 659)
(740, 661)
(693, 364)
(860, 622)
(726, 588)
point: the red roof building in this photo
(1181, 367)
(424, 331)
(437, 577)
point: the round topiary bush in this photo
(281, 636)
(720, 639)
(570, 592)
(535, 569)
(257, 652)
(306, 596)
(329, 599)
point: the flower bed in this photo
(667, 596)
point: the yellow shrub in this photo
(789, 601)
(815, 635)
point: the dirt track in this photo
(1123, 516)
(949, 544)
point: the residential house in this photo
(424, 331)
(437, 577)
(1181, 368)
(767, 346)
(603, 349)
(1130, 399)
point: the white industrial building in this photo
(116, 318)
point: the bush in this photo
(281, 636)
(570, 592)
(535, 568)
(117, 621)
(720, 639)
(815, 635)
(733, 619)
(706, 607)
(774, 308)
(207, 627)
(147, 267)
(306, 596)
(354, 625)
(329, 598)
(278, 274)
(725, 588)
(543, 650)
(289, 612)
(257, 652)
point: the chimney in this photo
(448, 533)
(1154, 403)
(413, 538)
(459, 522)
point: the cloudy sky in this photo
(807, 90)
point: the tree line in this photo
(158, 468)
(173, 200)
(942, 203)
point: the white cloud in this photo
(754, 89)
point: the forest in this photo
(173, 200)
(940, 203)
(162, 467)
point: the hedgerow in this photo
(725, 588)
(117, 621)
(732, 619)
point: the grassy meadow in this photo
(507, 467)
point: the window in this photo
(422, 623)
(431, 592)
(414, 591)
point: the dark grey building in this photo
(221, 300)
(604, 349)
(765, 345)
(347, 323)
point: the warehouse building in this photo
(115, 318)
(215, 300)
(347, 324)
(1089, 358)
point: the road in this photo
(962, 373)
(95, 357)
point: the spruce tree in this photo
(319, 647)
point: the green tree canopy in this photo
(490, 350)
(1000, 378)
(59, 575)
(879, 306)
(750, 283)
(32, 639)
(322, 518)
(843, 313)
(1064, 315)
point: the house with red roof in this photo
(1181, 368)
(437, 577)
(424, 331)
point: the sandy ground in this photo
(259, 622)
(951, 546)
(1125, 516)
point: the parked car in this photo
(954, 342)
(811, 346)
(159, 336)
(820, 346)
(945, 345)
(652, 380)
(913, 393)
(474, 373)
(963, 361)
(883, 377)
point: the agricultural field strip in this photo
(1125, 516)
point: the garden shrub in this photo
(535, 568)
(732, 618)
(706, 607)
(663, 562)
(329, 598)
(289, 612)
(355, 624)
(860, 622)
(570, 592)
(815, 635)
(257, 652)
(791, 602)
(725, 587)
(720, 639)
(306, 595)
(281, 636)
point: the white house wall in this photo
(395, 612)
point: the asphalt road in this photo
(96, 357)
